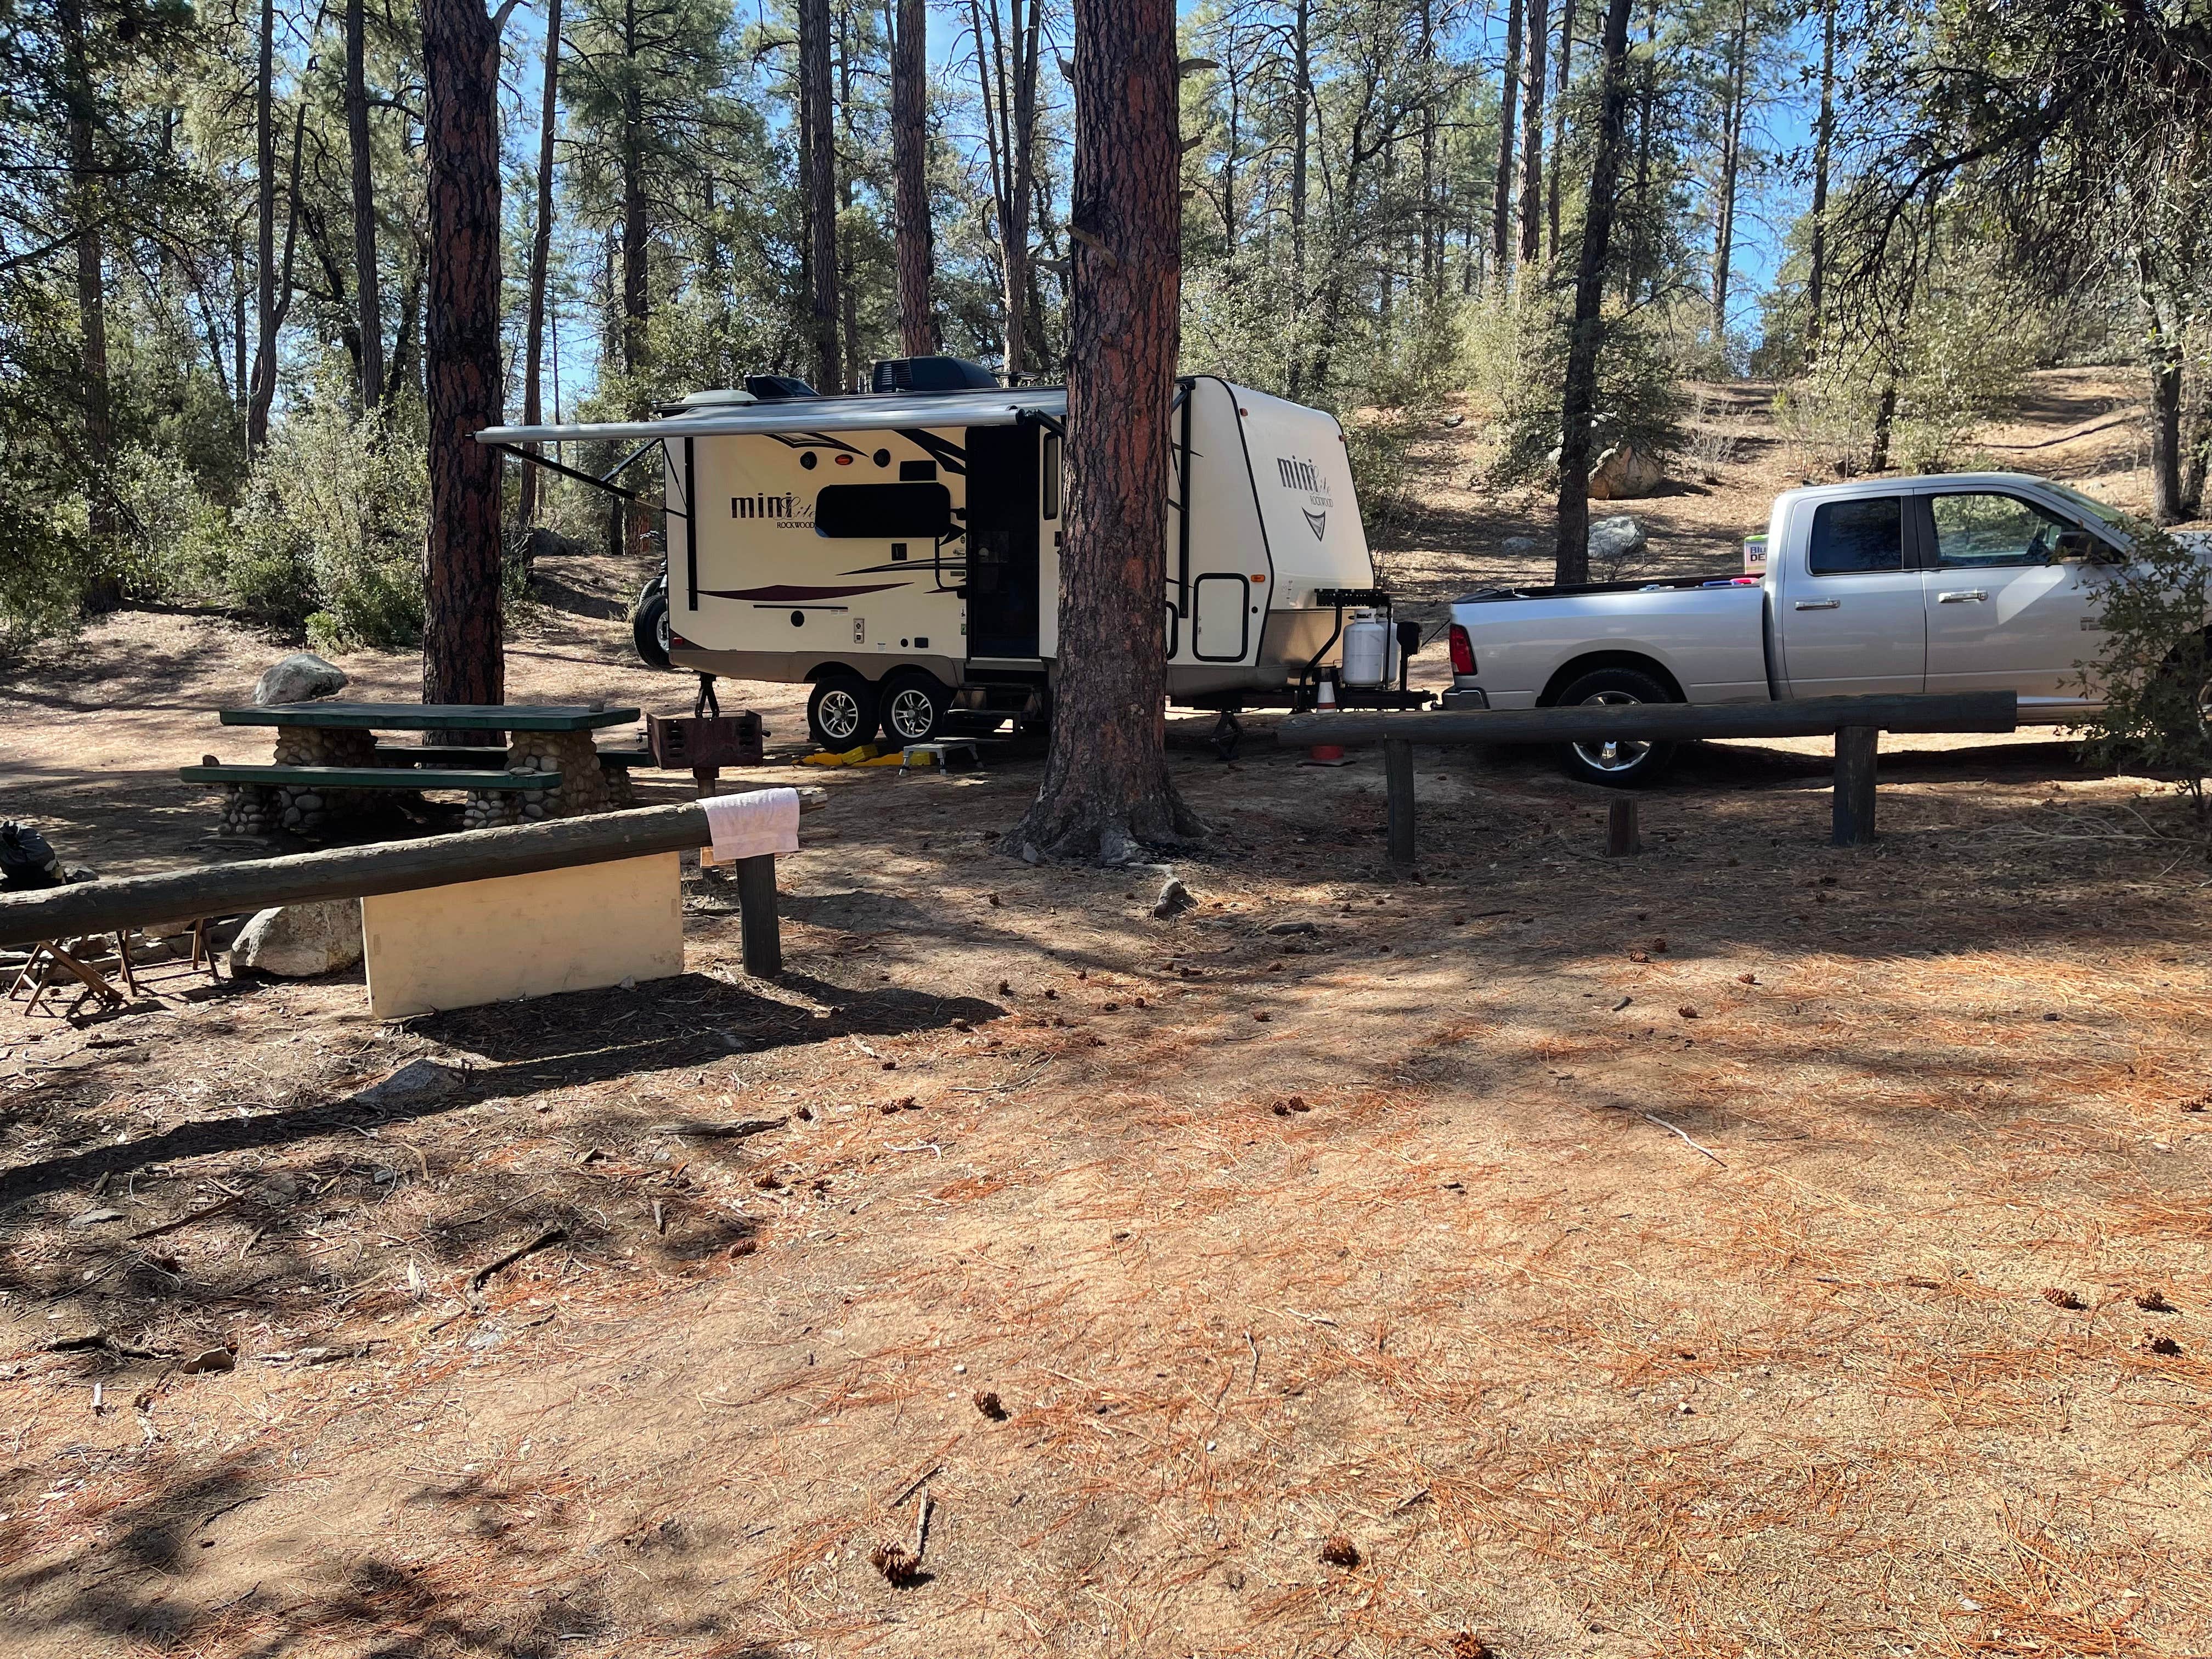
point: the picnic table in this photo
(328, 762)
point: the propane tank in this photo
(1368, 649)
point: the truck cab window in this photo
(1850, 537)
(1979, 530)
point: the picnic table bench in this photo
(328, 762)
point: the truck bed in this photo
(1576, 590)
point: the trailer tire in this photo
(914, 705)
(649, 627)
(841, 713)
(1616, 765)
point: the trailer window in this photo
(1851, 537)
(1051, 496)
(883, 512)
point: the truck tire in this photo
(1616, 765)
(914, 705)
(841, 713)
(649, 628)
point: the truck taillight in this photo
(1462, 651)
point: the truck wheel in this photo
(1616, 765)
(649, 627)
(840, 715)
(914, 705)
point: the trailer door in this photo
(1002, 542)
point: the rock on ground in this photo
(1624, 471)
(298, 941)
(300, 677)
(1614, 538)
(415, 1084)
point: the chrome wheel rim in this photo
(664, 631)
(912, 713)
(838, 714)
(1620, 756)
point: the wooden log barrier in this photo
(1854, 722)
(399, 867)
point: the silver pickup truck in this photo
(1966, 582)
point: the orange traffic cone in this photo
(1326, 754)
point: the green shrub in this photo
(330, 532)
(2155, 671)
(1516, 355)
(44, 569)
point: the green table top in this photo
(433, 716)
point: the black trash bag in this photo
(27, 861)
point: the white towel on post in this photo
(757, 823)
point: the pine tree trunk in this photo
(848, 292)
(1824, 132)
(1301, 164)
(91, 284)
(1106, 787)
(1639, 254)
(462, 660)
(1731, 158)
(1570, 562)
(263, 392)
(818, 166)
(637, 298)
(1532, 135)
(1017, 221)
(2162, 358)
(368, 297)
(541, 257)
(1501, 216)
(1559, 125)
(911, 184)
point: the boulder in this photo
(300, 677)
(1624, 472)
(298, 941)
(1519, 545)
(418, 1082)
(1614, 538)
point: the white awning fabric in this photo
(1002, 407)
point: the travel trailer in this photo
(899, 549)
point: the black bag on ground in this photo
(27, 861)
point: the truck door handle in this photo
(1819, 604)
(1960, 596)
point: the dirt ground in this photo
(1747, 1248)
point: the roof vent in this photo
(719, 396)
(931, 375)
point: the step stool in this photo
(941, 754)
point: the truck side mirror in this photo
(2078, 545)
(1409, 637)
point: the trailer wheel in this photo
(649, 626)
(1616, 765)
(913, 707)
(840, 715)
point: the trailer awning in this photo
(1003, 407)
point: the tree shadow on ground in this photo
(549, 1042)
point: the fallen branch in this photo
(551, 1236)
(1671, 1129)
(186, 1220)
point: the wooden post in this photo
(1855, 776)
(758, 933)
(1621, 840)
(1398, 777)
